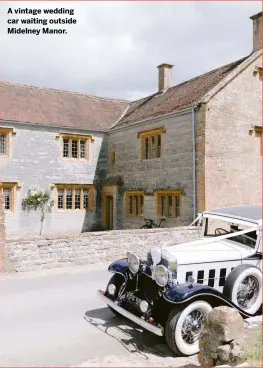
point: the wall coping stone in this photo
(100, 233)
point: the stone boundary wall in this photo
(39, 253)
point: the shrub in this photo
(38, 201)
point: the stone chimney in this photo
(257, 31)
(165, 76)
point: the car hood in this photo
(198, 252)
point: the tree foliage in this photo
(38, 201)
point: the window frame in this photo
(151, 136)
(258, 134)
(163, 196)
(86, 138)
(112, 155)
(13, 187)
(8, 132)
(73, 188)
(130, 199)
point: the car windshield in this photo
(215, 227)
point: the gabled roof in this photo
(175, 98)
(46, 106)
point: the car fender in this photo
(121, 267)
(185, 293)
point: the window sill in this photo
(71, 211)
(172, 218)
(152, 159)
(75, 159)
(134, 216)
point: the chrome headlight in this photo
(170, 262)
(161, 275)
(133, 262)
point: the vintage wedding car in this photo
(175, 286)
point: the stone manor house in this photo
(111, 163)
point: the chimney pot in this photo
(165, 76)
(257, 31)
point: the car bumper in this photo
(141, 322)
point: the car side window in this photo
(248, 239)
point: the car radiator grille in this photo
(212, 277)
(147, 288)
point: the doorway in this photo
(109, 211)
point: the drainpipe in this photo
(194, 177)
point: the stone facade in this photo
(2, 234)
(211, 150)
(35, 163)
(200, 125)
(174, 170)
(39, 253)
(233, 156)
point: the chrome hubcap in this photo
(193, 325)
(248, 292)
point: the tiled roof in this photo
(175, 98)
(29, 104)
(53, 107)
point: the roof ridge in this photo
(180, 95)
(211, 71)
(192, 79)
(64, 91)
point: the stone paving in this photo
(85, 332)
(146, 352)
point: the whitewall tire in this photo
(244, 288)
(184, 326)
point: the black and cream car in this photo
(175, 286)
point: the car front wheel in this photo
(183, 327)
(116, 283)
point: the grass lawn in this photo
(254, 346)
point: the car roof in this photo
(250, 212)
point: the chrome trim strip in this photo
(210, 295)
(154, 329)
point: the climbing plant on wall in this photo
(38, 201)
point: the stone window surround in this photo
(87, 138)
(73, 187)
(132, 195)
(168, 193)
(258, 71)
(8, 132)
(256, 131)
(13, 186)
(149, 134)
(112, 157)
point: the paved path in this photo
(57, 320)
